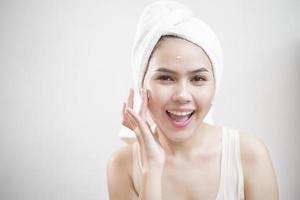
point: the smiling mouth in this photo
(180, 119)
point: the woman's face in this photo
(180, 79)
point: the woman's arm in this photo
(119, 181)
(259, 175)
(152, 155)
(118, 176)
(151, 184)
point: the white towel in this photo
(170, 18)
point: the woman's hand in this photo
(153, 155)
(128, 104)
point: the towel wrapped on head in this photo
(168, 17)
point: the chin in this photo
(178, 139)
(178, 135)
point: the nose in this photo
(182, 94)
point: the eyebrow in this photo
(162, 69)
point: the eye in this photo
(165, 78)
(198, 78)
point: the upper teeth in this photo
(180, 113)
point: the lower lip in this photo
(180, 124)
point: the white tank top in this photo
(231, 185)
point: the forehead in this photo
(179, 55)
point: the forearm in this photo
(151, 184)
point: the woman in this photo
(177, 61)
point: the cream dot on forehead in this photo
(178, 57)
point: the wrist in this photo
(153, 170)
(151, 187)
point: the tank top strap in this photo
(231, 181)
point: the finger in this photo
(145, 131)
(129, 121)
(123, 109)
(155, 135)
(133, 121)
(125, 120)
(130, 98)
(144, 104)
(134, 126)
(139, 133)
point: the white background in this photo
(65, 70)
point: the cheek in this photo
(204, 96)
(159, 96)
(207, 92)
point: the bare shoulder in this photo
(259, 175)
(254, 152)
(252, 148)
(119, 174)
(121, 157)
